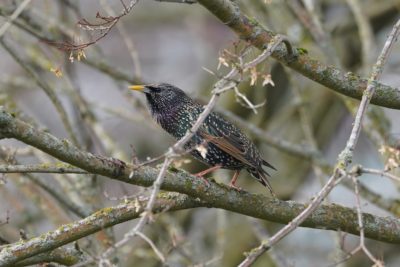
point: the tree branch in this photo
(219, 196)
(60, 167)
(344, 159)
(62, 256)
(348, 84)
(103, 218)
(325, 217)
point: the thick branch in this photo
(96, 222)
(218, 196)
(62, 256)
(348, 84)
(327, 216)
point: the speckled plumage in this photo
(224, 143)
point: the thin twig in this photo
(248, 103)
(365, 32)
(14, 15)
(46, 88)
(60, 167)
(104, 27)
(343, 160)
(379, 172)
(346, 155)
(127, 38)
(153, 246)
(178, 1)
(291, 226)
(61, 197)
(362, 245)
(262, 234)
(145, 215)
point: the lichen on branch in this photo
(348, 83)
(333, 217)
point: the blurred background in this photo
(178, 43)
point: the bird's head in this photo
(162, 97)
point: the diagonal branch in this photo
(60, 167)
(62, 256)
(218, 196)
(104, 218)
(348, 84)
(344, 159)
(325, 217)
(250, 30)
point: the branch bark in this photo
(64, 257)
(98, 221)
(348, 84)
(332, 217)
(325, 217)
(41, 168)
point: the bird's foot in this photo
(237, 188)
(232, 183)
(203, 179)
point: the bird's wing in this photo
(228, 140)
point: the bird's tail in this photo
(262, 176)
(268, 165)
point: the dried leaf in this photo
(71, 57)
(222, 61)
(267, 79)
(253, 76)
(137, 205)
(382, 150)
(80, 55)
(57, 71)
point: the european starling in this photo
(218, 143)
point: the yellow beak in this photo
(137, 87)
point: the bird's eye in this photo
(155, 89)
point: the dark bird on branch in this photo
(218, 143)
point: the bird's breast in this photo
(177, 123)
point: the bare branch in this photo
(14, 15)
(219, 196)
(347, 83)
(343, 160)
(153, 246)
(105, 25)
(60, 167)
(46, 88)
(145, 217)
(378, 172)
(362, 245)
(325, 217)
(292, 225)
(346, 155)
(62, 256)
(178, 1)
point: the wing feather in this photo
(230, 140)
(226, 146)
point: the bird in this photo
(218, 143)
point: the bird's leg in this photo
(202, 173)
(233, 181)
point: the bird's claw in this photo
(207, 183)
(233, 186)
